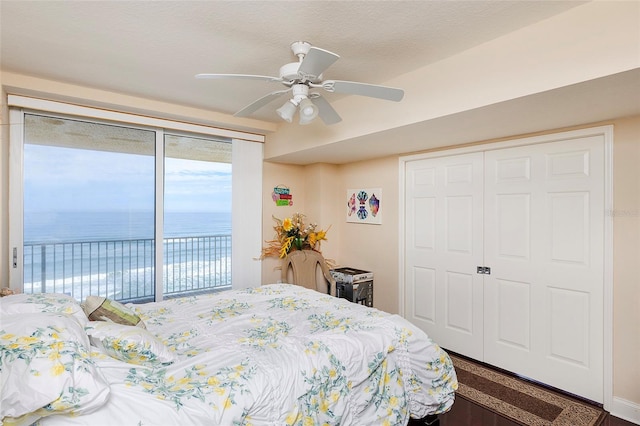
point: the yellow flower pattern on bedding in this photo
(279, 355)
(46, 356)
(219, 388)
(43, 342)
(180, 343)
(385, 389)
(288, 304)
(266, 333)
(327, 387)
(328, 321)
(130, 344)
(225, 309)
(161, 315)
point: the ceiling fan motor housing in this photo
(289, 73)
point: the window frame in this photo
(247, 156)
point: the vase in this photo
(298, 243)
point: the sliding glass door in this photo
(121, 211)
(88, 200)
(197, 214)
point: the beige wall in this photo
(293, 178)
(626, 259)
(319, 191)
(314, 190)
(375, 247)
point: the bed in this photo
(275, 354)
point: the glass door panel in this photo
(88, 197)
(197, 215)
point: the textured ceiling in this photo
(153, 49)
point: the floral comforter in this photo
(274, 355)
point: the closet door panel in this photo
(443, 247)
(544, 239)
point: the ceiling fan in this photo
(301, 80)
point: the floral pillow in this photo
(43, 302)
(130, 344)
(102, 309)
(46, 368)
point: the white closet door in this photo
(443, 247)
(544, 242)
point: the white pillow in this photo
(43, 302)
(46, 368)
(129, 343)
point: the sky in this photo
(65, 179)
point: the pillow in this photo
(102, 309)
(46, 368)
(130, 344)
(43, 302)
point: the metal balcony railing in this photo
(124, 270)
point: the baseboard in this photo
(626, 410)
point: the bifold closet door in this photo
(544, 241)
(443, 247)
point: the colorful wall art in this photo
(364, 205)
(282, 196)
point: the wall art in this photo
(282, 196)
(364, 205)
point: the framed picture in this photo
(364, 205)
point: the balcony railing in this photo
(124, 270)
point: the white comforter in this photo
(275, 355)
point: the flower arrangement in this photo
(293, 234)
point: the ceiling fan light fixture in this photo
(308, 111)
(287, 111)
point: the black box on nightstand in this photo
(354, 285)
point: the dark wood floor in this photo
(465, 413)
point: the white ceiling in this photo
(153, 49)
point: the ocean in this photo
(111, 254)
(47, 227)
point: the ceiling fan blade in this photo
(241, 77)
(256, 105)
(315, 62)
(326, 112)
(363, 89)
